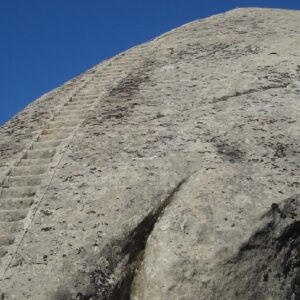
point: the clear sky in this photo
(44, 43)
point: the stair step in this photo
(10, 227)
(25, 180)
(53, 137)
(82, 102)
(55, 134)
(61, 124)
(84, 99)
(121, 66)
(38, 154)
(68, 118)
(45, 144)
(88, 93)
(18, 192)
(13, 215)
(6, 240)
(94, 86)
(30, 170)
(15, 203)
(54, 131)
(33, 162)
(82, 107)
(72, 113)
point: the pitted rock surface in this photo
(168, 172)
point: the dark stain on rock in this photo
(120, 101)
(269, 262)
(280, 150)
(229, 152)
(112, 279)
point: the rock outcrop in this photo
(170, 171)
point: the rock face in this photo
(168, 172)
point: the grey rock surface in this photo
(170, 171)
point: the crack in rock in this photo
(251, 91)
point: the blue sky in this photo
(45, 43)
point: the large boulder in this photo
(168, 172)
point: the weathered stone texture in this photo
(179, 181)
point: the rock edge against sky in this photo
(170, 171)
